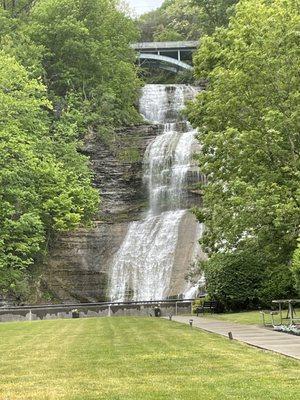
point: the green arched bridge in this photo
(172, 56)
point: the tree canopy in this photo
(248, 120)
(185, 19)
(66, 67)
(45, 182)
(87, 58)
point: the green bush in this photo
(296, 268)
(199, 303)
(234, 279)
(243, 280)
(277, 284)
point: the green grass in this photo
(136, 359)
(248, 317)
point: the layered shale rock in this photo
(144, 242)
(77, 267)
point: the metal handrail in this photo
(108, 303)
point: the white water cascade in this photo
(157, 251)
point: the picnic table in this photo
(291, 312)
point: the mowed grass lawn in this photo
(136, 359)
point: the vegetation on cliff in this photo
(89, 65)
(65, 68)
(45, 182)
(248, 120)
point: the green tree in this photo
(185, 19)
(214, 14)
(14, 41)
(45, 184)
(149, 23)
(87, 59)
(163, 34)
(248, 121)
(5, 24)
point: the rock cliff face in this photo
(118, 170)
(130, 253)
(78, 264)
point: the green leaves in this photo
(185, 19)
(248, 120)
(65, 67)
(45, 184)
(87, 57)
(296, 267)
(235, 280)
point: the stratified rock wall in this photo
(77, 268)
(118, 170)
(78, 264)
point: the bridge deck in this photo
(155, 46)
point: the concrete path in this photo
(288, 345)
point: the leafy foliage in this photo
(277, 284)
(296, 267)
(45, 182)
(214, 13)
(234, 280)
(65, 68)
(88, 62)
(185, 19)
(248, 120)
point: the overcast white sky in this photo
(142, 6)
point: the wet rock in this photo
(77, 266)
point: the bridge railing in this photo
(184, 45)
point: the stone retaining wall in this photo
(89, 311)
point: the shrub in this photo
(296, 268)
(277, 284)
(234, 279)
(199, 303)
(243, 280)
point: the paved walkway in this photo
(260, 337)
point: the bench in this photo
(210, 306)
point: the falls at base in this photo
(148, 246)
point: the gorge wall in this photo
(77, 267)
(82, 264)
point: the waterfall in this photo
(143, 267)
(167, 162)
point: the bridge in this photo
(172, 56)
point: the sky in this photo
(142, 6)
